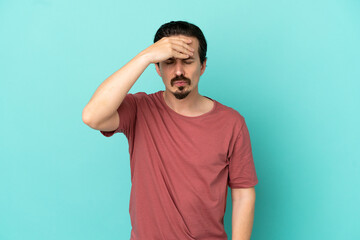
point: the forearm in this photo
(110, 94)
(242, 218)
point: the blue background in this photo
(291, 68)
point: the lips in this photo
(180, 83)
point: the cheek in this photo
(197, 71)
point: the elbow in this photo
(87, 119)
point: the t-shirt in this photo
(181, 167)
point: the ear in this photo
(157, 69)
(203, 67)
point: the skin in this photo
(184, 100)
(243, 209)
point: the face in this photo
(187, 70)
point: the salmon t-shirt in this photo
(181, 167)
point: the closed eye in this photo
(187, 61)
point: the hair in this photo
(183, 28)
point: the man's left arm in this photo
(243, 208)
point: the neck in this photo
(186, 106)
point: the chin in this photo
(181, 94)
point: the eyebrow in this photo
(190, 57)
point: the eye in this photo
(169, 62)
(188, 62)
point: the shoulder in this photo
(136, 97)
(141, 95)
(234, 117)
(143, 99)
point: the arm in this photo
(243, 203)
(101, 111)
(110, 94)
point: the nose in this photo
(179, 68)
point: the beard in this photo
(181, 93)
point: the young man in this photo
(185, 148)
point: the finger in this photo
(181, 43)
(184, 39)
(187, 40)
(180, 55)
(181, 49)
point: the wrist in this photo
(145, 57)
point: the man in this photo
(185, 148)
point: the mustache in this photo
(180, 78)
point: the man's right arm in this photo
(101, 111)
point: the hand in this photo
(168, 47)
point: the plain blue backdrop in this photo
(291, 68)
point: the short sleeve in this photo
(242, 173)
(127, 115)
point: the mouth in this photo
(180, 83)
